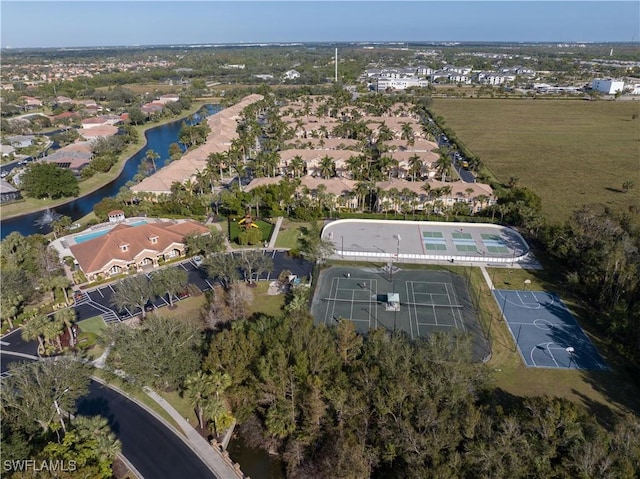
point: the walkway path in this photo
(214, 456)
(274, 235)
(217, 459)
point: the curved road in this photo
(153, 449)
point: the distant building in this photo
(291, 75)
(607, 86)
(6, 150)
(21, 141)
(169, 98)
(384, 84)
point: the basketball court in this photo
(546, 333)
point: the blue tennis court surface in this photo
(545, 331)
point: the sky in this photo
(89, 23)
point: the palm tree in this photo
(297, 166)
(216, 161)
(355, 166)
(327, 167)
(60, 225)
(52, 331)
(442, 166)
(220, 382)
(393, 194)
(216, 411)
(34, 329)
(67, 317)
(255, 201)
(481, 199)
(385, 163)
(59, 282)
(151, 157)
(408, 134)
(198, 388)
(201, 180)
(361, 190)
(107, 446)
(426, 187)
(415, 166)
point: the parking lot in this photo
(97, 301)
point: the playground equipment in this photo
(247, 222)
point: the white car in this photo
(197, 260)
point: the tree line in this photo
(334, 404)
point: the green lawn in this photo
(265, 229)
(289, 234)
(93, 325)
(185, 310)
(570, 152)
(264, 303)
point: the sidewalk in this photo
(274, 235)
(217, 459)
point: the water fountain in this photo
(48, 217)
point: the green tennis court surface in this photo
(417, 302)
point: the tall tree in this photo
(47, 180)
(161, 354)
(169, 281)
(67, 317)
(131, 293)
(255, 262)
(198, 388)
(37, 393)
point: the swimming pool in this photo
(97, 234)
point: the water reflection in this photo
(255, 463)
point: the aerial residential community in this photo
(296, 256)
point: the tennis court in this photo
(417, 302)
(546, 333)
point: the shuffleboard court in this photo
(417, 302)
(546, 333)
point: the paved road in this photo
(153, 449)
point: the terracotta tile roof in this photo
(458, 188)
(98, 131)
(95, 254)
(223, 130)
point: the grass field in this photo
(265, 304)
(265, 229)
(289, 234)
(93, 325)
(570, 152)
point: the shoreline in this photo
(117, 169)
